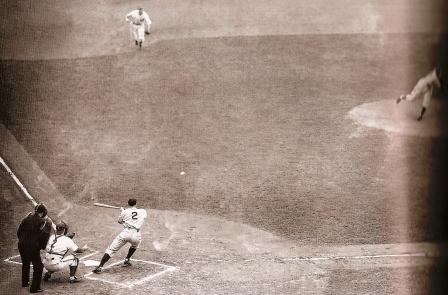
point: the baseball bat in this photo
(106, 206)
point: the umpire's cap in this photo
(41, 210)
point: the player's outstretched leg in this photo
(103, 261)
(421, 114)
(127, 260)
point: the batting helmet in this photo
(132, 202)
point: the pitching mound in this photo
(402, 118)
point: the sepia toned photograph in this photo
(223, 147)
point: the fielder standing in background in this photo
(33, 233)
(132, 218)
(140, 25)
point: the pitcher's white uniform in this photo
(424, 87)
(58, 247)
(139, 24)
(132, 218)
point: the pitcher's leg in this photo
(426, 99)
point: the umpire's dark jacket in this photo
(33, 233)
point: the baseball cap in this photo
(41, 209)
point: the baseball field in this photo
(262, 137)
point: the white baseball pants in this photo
(138, 32)
(55, 263)
(128, 235)
(424, 87)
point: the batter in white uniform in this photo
(132, 218)
(60, 249)
(140, 25)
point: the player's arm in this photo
(45, 234)
(129, 16)
(21, 229)
(120, 218)
(146, 17)
(75, 249)
(80, 250)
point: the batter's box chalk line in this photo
(97, 277)
(11, 259)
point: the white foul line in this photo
(87, 256)
(17, 181)
(356, 257)
(151, 262)
(22, 188)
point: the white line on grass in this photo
(356, 257)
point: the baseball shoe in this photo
(127, 262)
(74, 280)
(99, 269)
(402, 97)
(140, 44)
(47, 276)
(36, 291)
(136, 42)
(147, 33)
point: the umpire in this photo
(33, 233)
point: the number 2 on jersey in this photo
(134, 215)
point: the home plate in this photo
(91, 263)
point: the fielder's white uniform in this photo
(56, 258)
(424, 87)
(139, 24)
(132, 218)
